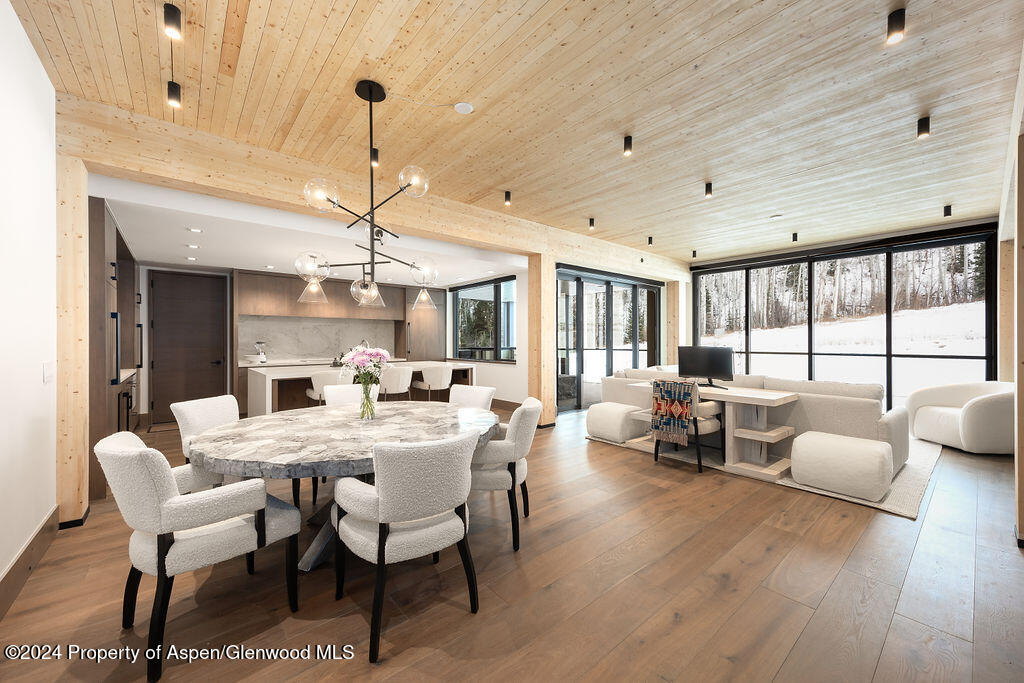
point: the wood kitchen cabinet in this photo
(278, 294)
(423, 333)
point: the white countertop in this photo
(281, 362)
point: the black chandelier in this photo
(314, 268)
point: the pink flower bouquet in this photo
(366, 364)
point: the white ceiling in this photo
(155, 224)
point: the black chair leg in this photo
(467, 564)
(437, 558)
(513, 510)
(657, 447)
(696, 438)
(295, 492)
(323, 480)
(154, 666)
(339, 567)
(316, 485)
(250, 563)
(131, 592)
(291, 571)
(378, 609)
(526, 499)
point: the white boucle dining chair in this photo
(396, 379)
(415, 507)
(435, 378)
(176, 532)
(470, 396)
(326, 377)
(347, 394)
(194, 418)
(501, 464)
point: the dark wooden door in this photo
(424, 328)
(188, 333)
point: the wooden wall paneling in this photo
(72, 339)
(542, 351)
(673, 335)
(1004, 346)
(1018, 356)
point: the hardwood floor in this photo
(628, 570)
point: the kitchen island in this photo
(265, 381)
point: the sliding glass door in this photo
(902, 314)
(604, 325)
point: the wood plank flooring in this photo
(628, 570)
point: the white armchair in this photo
(471, 396)
(396, 379)
(976, 417)
(194, 418)
(501, 464)
(176, 532)
(416, 507)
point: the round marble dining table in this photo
(329, 441)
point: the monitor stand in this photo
(711, 383)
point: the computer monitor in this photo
(712, 362)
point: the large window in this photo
(604, 324)
(485, 320)
(902, 314)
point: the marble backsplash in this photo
(289, 337)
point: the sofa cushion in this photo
(940, 424)
(745, 381)
(859, 468)
(613, 422)
(873, 391)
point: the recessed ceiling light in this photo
(775, 217)
(192, 246)
(896, 26)
(194, 229)
(490, 272)
(269, 267)
(191, 258)
(463, 108)
(389, 279)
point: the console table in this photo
(747, 432)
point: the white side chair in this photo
(501, 464)
(435, 378)
(176, 532)
(469, 396)
(416, 507)
(194, 418)
(396, 379)
(325, 377)
(347, 394)
(976, 417)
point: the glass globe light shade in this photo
(424, 271)
(366, 294)
(312, 266)
(413, 181)
(320, 194)
(380, 235)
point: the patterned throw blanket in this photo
(671, 409)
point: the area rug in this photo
(903, 499)
(908, 487)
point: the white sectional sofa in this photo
(831, 408)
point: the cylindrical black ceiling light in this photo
(174, 94)
(172, 21)
(947, 210)
(591, 224)
(627, 146)
(374, 157)
(896, 26)
(508, 197)
(694, 254)
(707, 191)
(650, 241)
(924, 127)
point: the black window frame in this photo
(986, 233)
(499, 314)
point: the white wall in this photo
(511, 381)
(28, 282)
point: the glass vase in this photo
(366, 408)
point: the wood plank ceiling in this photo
(791, 107)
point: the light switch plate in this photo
(49, 371)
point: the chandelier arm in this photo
(344, 208)
(398, 260)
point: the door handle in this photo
(408, 339)
(216, 362)
(113, 275)
(116, 372)
(138, 326)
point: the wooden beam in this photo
(673, 319)
(1007, 206)
(541, 303)
(122, 144)
(1004, 307)
(72, 339)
